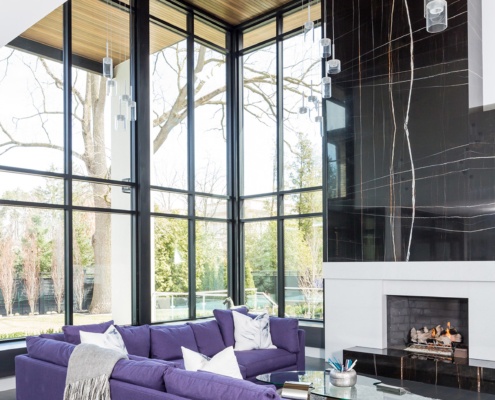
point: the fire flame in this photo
(447, 332)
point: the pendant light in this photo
(333, 65)
(436, 15)
(309, 25)
(326, 87)
(303, 109)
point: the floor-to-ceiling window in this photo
(281, 149)
(68, 207)
(63, 205)
(189, 166)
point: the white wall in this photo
(355, 299)
(19, 15)
(488, 14)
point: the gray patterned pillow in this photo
(252, 333)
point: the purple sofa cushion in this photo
(284, 333)
(167, 340)
(263, 361)
(208, 337)
(142, 373)
(53, 351)
(136, 339)
(155, 360)
(53, 336)
(71, 332)
(226, 324)
(207, 386)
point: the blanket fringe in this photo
(89, 389)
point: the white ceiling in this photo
(19, 15)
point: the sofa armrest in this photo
(201, 385)
(301, 355)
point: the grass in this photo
(29, 325)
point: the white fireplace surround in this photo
(356, 303)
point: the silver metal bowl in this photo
(343, 379)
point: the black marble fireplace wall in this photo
(406, 312)
(411, 165)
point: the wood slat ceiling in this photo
(95, 21)
(236, 12)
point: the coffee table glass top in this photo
(364, 389)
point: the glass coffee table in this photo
(365, 388)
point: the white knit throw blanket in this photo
(89, 371)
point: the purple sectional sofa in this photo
(155, 369)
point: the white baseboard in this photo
(315, 352)
(7, 383)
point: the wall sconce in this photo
(436, 15)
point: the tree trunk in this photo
(96, 164)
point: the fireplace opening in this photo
(428, 327)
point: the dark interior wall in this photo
(445, 175)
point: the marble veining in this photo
(414, 178)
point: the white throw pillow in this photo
(222, 363)
(252, 333)
(110, 339)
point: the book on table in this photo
(295, 390)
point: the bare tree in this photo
(7, 272)
(89, 107)
(57, 270)
(31, 265)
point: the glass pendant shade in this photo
(125, 98)
(333, 66)
(308, 27)
(326, 87)
(318, 118)
(132, 111)
(325, 47)
(111, 87)
(107, 67)
(120, 122)
(436, 16)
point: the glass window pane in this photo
(169, 116)
(259, 34)
(102, 267)
(259, 208)
(168, 202)
(101, 147)
(260, 266)
(211, 207)
(303, 203)
(296, 19)
(35, 188)
(303, 252)
(31, 100)
(211, 267)
(302, 133)
(171, 276)
(209, 32)
(210, 116)
(169, 14)
(31, 271)
(92, 194)
(260, 129)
